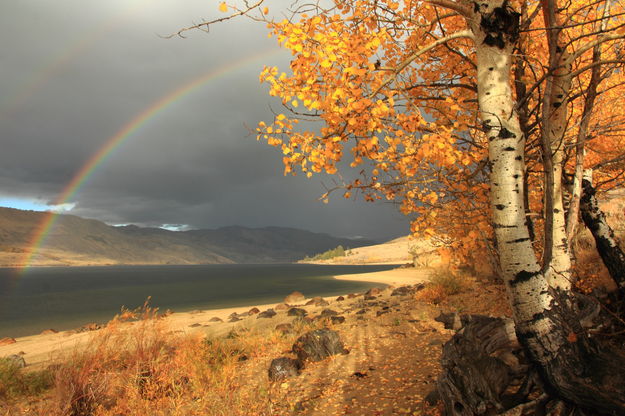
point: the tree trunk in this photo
(607, 246)
(546, 323)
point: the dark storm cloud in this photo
(75, 72)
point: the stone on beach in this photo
(283, 367)
(269, 313)
(294, 298)
(317, 301)
(7, 341)
(297, 312)
(318, 345)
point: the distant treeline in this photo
(330, 254)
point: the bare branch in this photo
(415, 55)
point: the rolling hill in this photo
(79, 241)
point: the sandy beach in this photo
(42, 349)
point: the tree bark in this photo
(547, 324)
(607, 246)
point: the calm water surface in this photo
(68, 297)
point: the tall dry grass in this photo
(137, 366)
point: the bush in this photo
(327, 255)
(16, 383)
(443, 283)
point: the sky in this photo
(75, 73)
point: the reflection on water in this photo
(68, 297)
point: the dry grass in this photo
(443, 283)
(142, 368)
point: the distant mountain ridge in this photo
(78, 241)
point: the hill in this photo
(79, 241)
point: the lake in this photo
(69, 297)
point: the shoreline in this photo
(41, 349)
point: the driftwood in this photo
(486, 371)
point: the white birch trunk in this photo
(526, 284)
(558, 271)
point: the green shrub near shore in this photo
(327, 255)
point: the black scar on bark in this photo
(523, 276)
(518, 158)
(518, 240)
(504, 133)
(500, 23)
(556, 105)
(509, 149)
(500, 207)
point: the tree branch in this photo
(412, 57)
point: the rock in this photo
(234, 315)
(215, 319)
(374, 291)
(340, 298)
(318, 345)
(284, 328)
(297, 312)
(195, 325)
(16, 360)
(317, 301)
(337, 319)
(328, 312)
(402, 291)
(253, 311)
(370, 297)
(360, 312)
(380, 313)
(281, 307)
(89, 327)
(269, 313)
(7, 341)
(234, 319)
(49, 331)
(294, 297)
(352, 295)
(283, 367)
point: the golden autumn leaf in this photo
(223, 7)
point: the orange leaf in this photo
(223, 7)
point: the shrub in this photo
(443, 283)
(16, 383)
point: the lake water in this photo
(69, 297)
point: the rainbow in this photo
(87, 170)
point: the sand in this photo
(41, 350)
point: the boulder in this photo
(340, 298)
(215, 319)
(294, 298)
(269, 313)
(253, 311)
(195, 325)
(281, 307)
(317, 301)
(234, 318)
(7, 341)
(402, 291)
(318, 345)
(297, 312)
(337, 319)
(16, 360)
(284, 328)
(49, 331)
(327, 313)
(352, 295)
(450, 320)
(90, 327)
(374, 291)
(283, 367)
